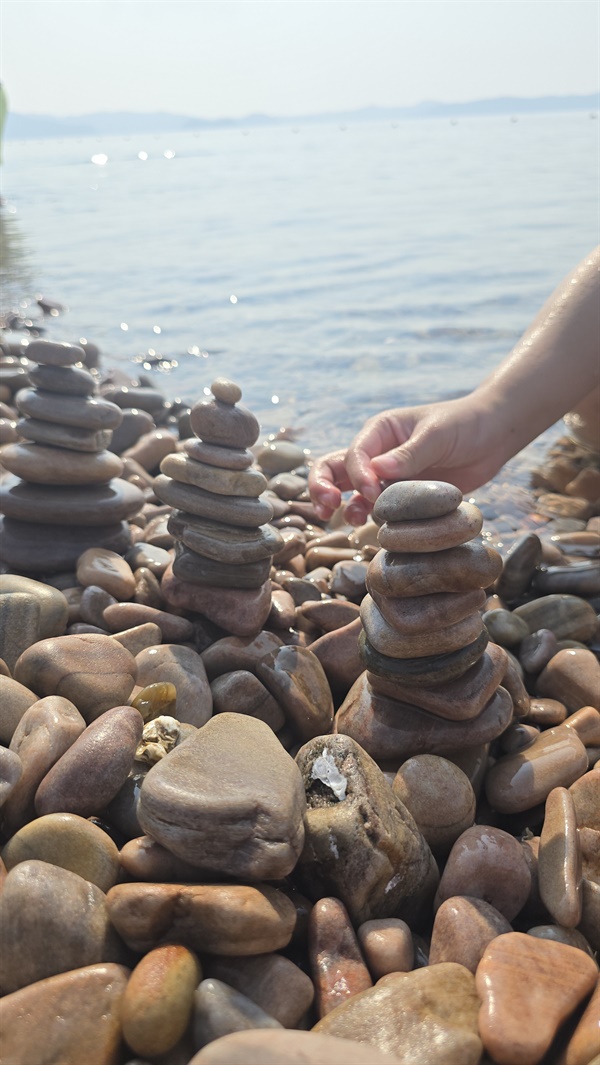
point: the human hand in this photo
(454, 440)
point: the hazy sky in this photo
(231, 57)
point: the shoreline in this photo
(188, 761)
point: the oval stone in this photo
(572, 677)
(416, 500)
(427, 671)
(80, 412)
(272, 981)
(519, 566)
(219, 1010)
(67, 436)
(387, 945)
(85, 779)
(94, 672)
(222, 423)
(385, 639)
(52, 353)
(489, 864)
(51, 921)
(528, 987)
(70, 1018)
(235, 510)
(46, 730)
(523, 779)
(457, 569)
(427, 613)
(226, 458)
(11, 770)
(336, 961)
(226, 391)
(426, 1017)
(440, 798)
(107, 570)
(250, 482)
(66, 380)
(463, 928)
(70, 841)
(240, 611)
(505, 627)
(159, 999)
(433, 534)
(54, 609)
(567, 616)
(41, 504)
(559, 862)
(53, 465)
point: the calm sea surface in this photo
(331, 271)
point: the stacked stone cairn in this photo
(432, 680)
(224, 543)
(64, 493)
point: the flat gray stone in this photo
(78, 411)
(226, 458)
(414, 500)
(66, 380)
(236, 511)
(58, 435)
(28, 546)
(182, 468)
(51, 353)
(80, 505)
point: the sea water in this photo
(331, 271)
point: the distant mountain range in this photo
(106, 123)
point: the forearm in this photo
(555, 364)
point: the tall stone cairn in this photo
(432, 679)
(64, 493)
(220, 522)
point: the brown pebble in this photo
(87, 776)
(487, 863)
(337, 964)
(528, 987)
(387, 946)
(159, 998)
(463, 928)
(559, 863)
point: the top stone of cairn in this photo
(413, 500)
(49, 353)
(220, 421)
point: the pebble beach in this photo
(274, 793)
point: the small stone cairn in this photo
(64, 493)
(220, 524)
(424, 643)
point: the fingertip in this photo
(386, 466)
(370, 491)
(323, 511)
(357, 510)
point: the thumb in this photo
(410, 460)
